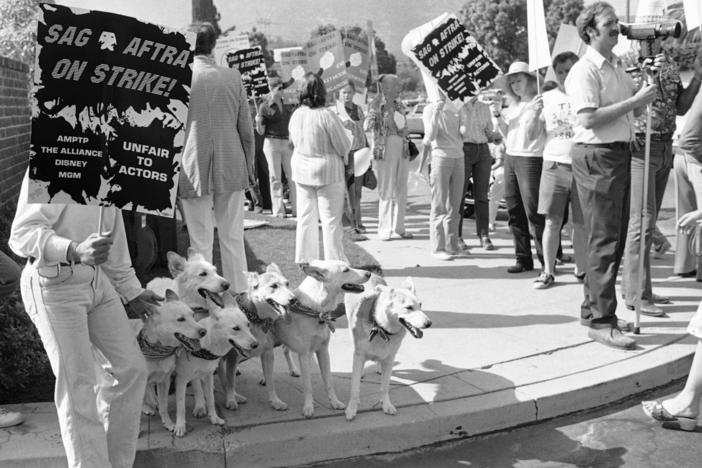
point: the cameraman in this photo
(672, 99)
(603, 97)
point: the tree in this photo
(500, 27)
(18, 29)
(387, 63)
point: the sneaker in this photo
(660, 249)
(545, 280)
(442, 255)
(10, 418)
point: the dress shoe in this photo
(611, 337)
(648, 308)
(519, 268)
(486, 243)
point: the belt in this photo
(664, 137)
(614, 145)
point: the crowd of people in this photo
(578, 147)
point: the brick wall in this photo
(14, 126)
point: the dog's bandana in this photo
(322, 317)
(202, 353)
(249, 308)
(153, 350)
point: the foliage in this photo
(387, 63)
(18, 29)
(501, 26)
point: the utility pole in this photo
(204, 10)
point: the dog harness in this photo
(202, 353)
(322, 317)
(249, 308)
(376, 329)
(154, 350)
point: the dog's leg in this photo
(388, 407)
(149, 405)
(229, 364)
(305, 370)
(199, 408)
(267, 360)
(164, 387)
(355, 397)
(291, 364)
(208, 383)
(180, 429)
(325, 371)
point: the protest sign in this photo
(357, 60)
(293, 66)
(252, 66)
(325, 57)
(109, 108)
(451, 56)
(229, 44)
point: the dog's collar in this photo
(153, 350)
(202, 353)
(376, 329)
(322, 317)
(249, 308)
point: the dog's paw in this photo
(308, 411)
(214, 419)
(278, 404)
(199, 411)
(389, 408)
(351, 412)
(232, 404)
(168, 424)
(336, 404)
(179, 430)
(148, 410)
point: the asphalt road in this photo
(616, 436)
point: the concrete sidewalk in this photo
(499, 354)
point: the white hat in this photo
(361, 161)
(651, 11)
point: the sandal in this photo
(655, 410)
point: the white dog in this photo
(264, 303)
(378, 321)
(167, 328)
(227, 328)
(191, 278)
(307, 330)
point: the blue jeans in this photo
(522, 179)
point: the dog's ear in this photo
(252, 278)
(176, 263)
(273, 268)
(409, 284)
(313, 271)
(171, 295)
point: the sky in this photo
(294, 19)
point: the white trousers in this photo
(323, 203)
(229, 215)
(392, 173)
(100, 371)
(278, 155)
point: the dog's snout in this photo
(225, 285)
(202, 332)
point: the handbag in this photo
(412, 150)
(369, 181)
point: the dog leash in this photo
(154, 350)
(322, 317)
(249, 308)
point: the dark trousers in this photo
(522, 178)
(478, 162)
(602, 175)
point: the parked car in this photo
(414, 120)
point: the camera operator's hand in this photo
(92, 251)
(646, 95)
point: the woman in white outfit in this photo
(321, 149)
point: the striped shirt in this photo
(477, 122)
(321, 146)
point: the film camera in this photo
(650, 35)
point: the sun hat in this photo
(361, 161)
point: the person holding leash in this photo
(603, 98)
(76, 277)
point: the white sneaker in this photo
(442, 255)
(10, 418)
